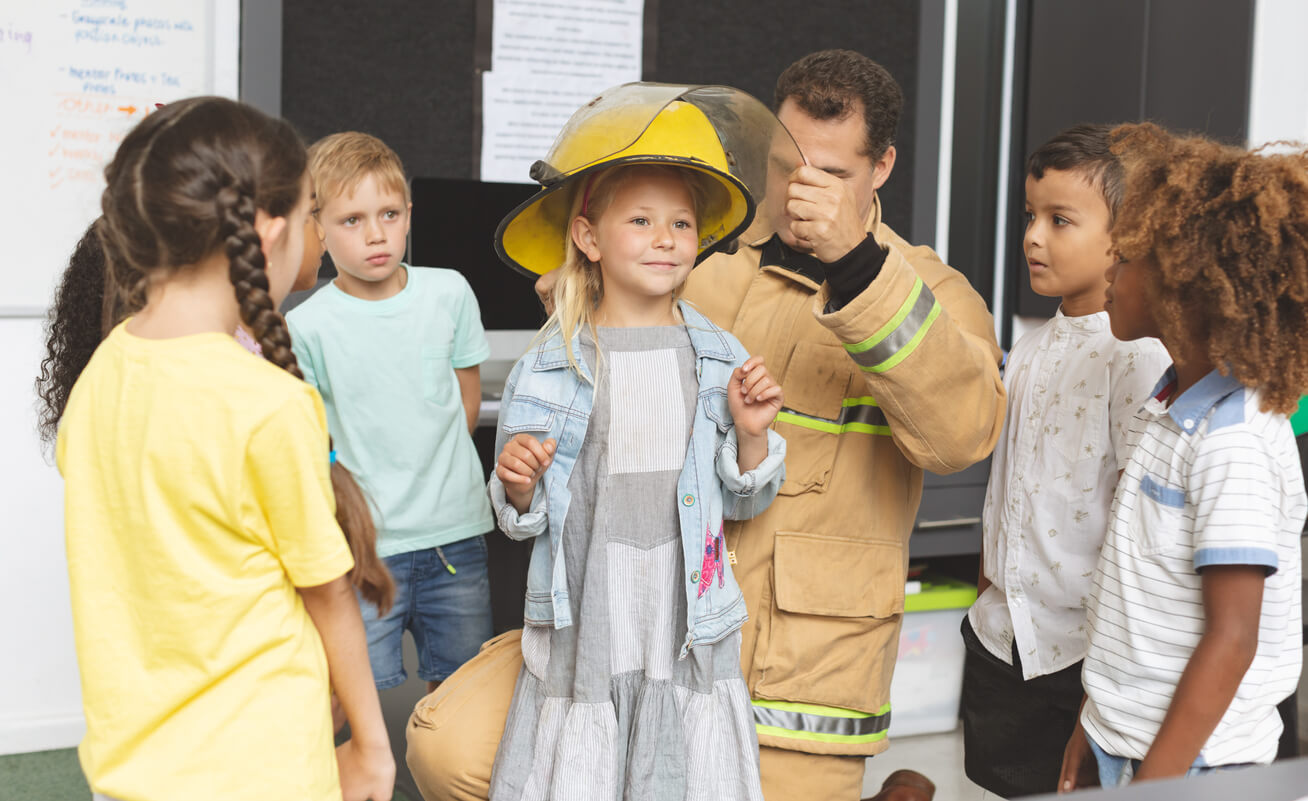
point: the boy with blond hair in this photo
(394, 350)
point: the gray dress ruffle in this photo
(604, 710)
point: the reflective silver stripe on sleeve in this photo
(821, 724)
(896, 340)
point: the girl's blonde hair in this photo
(580, 285)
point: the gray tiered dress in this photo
(603, 709)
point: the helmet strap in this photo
(585, 194)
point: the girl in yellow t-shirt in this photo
(207, 570)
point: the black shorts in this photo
(1014, 731)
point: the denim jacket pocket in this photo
(714, 401)
(526, 415)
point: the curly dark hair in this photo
(74, 327)
(827, 85)
(1228, 230)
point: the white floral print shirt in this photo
(1072, 392)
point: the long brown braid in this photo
(189, 180)
(236, 211)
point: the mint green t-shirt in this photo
(385, 370)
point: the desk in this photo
(1279, 781)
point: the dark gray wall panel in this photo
(1184, 64)
(406, 73)
(402, 71)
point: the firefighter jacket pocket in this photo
(817, 380)
(832, 633)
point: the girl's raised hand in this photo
(753, 398)
(520, 465)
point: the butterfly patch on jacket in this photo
(712, 561)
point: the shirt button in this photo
(1189, 424)
(689, 500)
(694, 576)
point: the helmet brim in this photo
(533, 238)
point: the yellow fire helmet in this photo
(717, 130)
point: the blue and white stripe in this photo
(1212, 481)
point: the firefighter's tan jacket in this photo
(904, 378)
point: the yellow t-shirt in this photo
(197, 498)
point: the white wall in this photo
(40, 698)
(1278, 102)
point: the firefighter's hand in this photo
(544, 287)
(824, 217)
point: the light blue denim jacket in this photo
(545, 398)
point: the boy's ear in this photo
(408, 218)
(270, 230)
(583, 236)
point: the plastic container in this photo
(928, 680)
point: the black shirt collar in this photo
(775, 253)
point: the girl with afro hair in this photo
(1195, 624)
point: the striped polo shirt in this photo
(1212, 480)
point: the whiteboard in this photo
(75, 76)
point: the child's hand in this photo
(521, 464)
(1079, 768)
(367, 773)
(753, 398)
(338, 714)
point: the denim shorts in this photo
(449, 614)
(1116, 771)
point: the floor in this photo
(56, 776)
(939, 757)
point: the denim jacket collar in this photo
(708, 341)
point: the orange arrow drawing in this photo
(127, 109)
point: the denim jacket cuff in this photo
(532, 523)
(772, 470)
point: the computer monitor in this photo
(454, 223)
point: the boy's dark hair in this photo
(828, 84)
(1086, 149)
(1228, 232)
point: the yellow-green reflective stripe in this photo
(820, 738)
(820, 724)
(908, 331)
(859, 419)
(885, 330)
(826, 711)
(865, 400)
(908, 349)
